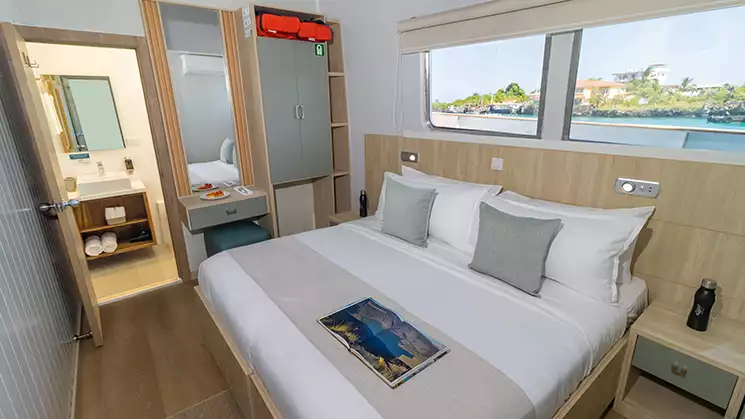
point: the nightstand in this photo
(671, 371)
(344, 217)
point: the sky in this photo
(706, 46)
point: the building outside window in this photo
(660, 83)
(491, 87)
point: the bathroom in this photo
(95, 105)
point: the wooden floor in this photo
(153, 363)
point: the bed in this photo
(213, 172)
(561, 351)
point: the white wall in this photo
(370, 39)
(109, 16)
(120, 65)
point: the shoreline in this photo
(608, 124)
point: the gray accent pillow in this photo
(513, 249)
(406, 212)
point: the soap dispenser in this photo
(129, 165)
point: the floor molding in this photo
(138, 291)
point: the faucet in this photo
(101, 170)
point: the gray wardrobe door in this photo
(313, 93)
(280, 95)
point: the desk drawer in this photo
(687, 373)
(227, 212)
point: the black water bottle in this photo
(703, 302)
(363, 204)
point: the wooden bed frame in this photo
(591, 399)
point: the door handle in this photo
(297, 111)
(302, 112)
(58, 206)
(50, 210)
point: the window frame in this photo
(568, 113)
(541, 103)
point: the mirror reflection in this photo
(199, 78)
(86, 115)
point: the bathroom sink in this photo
(103, 185)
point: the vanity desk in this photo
(198, 214)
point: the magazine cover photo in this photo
(393, 348)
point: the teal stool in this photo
(232, 235)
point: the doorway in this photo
(168, 230)
(95, 106)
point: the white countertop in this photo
(137, 187)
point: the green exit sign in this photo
(320, 50)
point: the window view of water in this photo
(653, 82)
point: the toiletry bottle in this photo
(703, 302)
(363, 204)
(129, 165)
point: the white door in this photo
(43, 169)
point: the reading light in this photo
(628, 187)
(409, 157)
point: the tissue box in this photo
(115, 215)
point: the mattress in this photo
(213, 172)
(545, 345)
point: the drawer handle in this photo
(679, 370)
(231, 212)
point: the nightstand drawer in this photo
(696, 377)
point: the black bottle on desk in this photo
(703, 302)
(363, 204)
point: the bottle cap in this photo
(709, 284)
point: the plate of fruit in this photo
(215, 195)
(203, 187)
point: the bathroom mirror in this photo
(201, 88)
(85, 114)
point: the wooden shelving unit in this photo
(339, 122)
(91, 219)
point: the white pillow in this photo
(624, 275)
(409, 172)
(585, 255)
(454, 209)
(226, 151)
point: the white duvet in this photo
(545, 345)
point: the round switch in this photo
(628, 187)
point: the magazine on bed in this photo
(391, 347)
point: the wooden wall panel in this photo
(697, 231)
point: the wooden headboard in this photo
(697, 231)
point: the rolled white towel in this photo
(108, 242)
(93, 246)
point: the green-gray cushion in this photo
(513, 249)
(406, 212)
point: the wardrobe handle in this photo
(297, 111)
(302, 112)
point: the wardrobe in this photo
(296, 109)
(295, 96)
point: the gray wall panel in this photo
(37, 303)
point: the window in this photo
(489, 87)
(663, 83)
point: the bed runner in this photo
(305, 286)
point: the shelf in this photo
(338, 124)
(338, 173)
(124, 248)
(336, 74)
(109, 227)
(649, 399)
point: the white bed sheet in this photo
(546, 346)
(213, 172)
